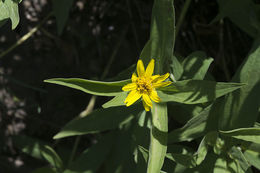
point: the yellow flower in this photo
(144, 85)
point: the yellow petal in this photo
(140, 68)
(132, 97)
(150, 68)
(147, 100)
(146, 107)
(130, 86)
(134, 77)
(161, 84)
(154, 96)
(155, 76)
(161, 78)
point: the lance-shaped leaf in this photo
(196, 91)
(240, 108)
(196, 65)
(246, 134)
(9, 10)
(52, 157)
(91, 86)
(194, 128)
(236, 154)
(98, 120)
(187, 92)
(162, 36)
(252, 155)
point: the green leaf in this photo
(182, 155)
(85, 162)
(240, 108)
(61, 10)
(240, 12)
(144, 152)
(253, 158)
(193, 129)
(91, 86)
(196, 91)
(29, 145)
(238, 157)
(98, 120)
(158, 140)
(212, 163)
(9, 9)
(52, 157)
(176, 68)
(246, 134)
(187, 92)
(118, 100)
(202, 151)
(161, 43)
(44, 170)
(141, 159)
(196, 66)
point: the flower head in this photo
(144, 85)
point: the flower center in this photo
(144, 85)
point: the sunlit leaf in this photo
(239, 157)
(196, 66)
(187, 92)
(247, 134)
(196, 91)
(202, 151)
(52, 157)
(161, 43)
(253, 158)
(9, 10)
(90, 86)
(118, 100)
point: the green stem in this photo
(159, 134)
(182, 16)
(26, 36)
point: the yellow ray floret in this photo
(144, 85)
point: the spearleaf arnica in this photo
(144, 85)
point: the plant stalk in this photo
(26, 36)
